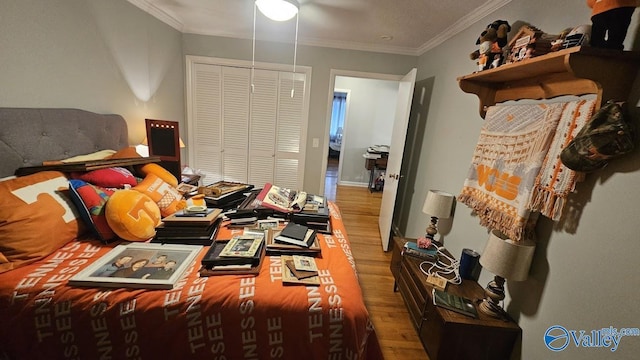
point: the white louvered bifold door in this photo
(236, 83)
(252, 137)
(206, 126)
(262, 134)
(291, 132)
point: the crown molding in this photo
(149, 8)
(459, 26)
(462, 24)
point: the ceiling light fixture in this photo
(278, 10)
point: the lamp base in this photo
(432, 228)
(494, 293)
(490, 308)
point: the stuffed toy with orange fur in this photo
(132, 215)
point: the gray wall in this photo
(96, 55)
(585, 274)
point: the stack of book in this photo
(225, 194)
(190, 228)
(412, 249)
(298, 269)
(314, 214)
(242, 254)
(292, 239)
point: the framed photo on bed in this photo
(139, 265)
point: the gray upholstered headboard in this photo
(29, 136)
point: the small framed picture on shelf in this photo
(139, 265)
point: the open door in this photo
(394, 162)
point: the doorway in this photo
(336, 128)
(378, 124)
(368, 121)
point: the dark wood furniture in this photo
(446, 334)
(374, 165)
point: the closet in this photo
(247, 125)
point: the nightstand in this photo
(446, 334)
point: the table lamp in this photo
(438, 204)
(508, 260)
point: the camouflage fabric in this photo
(607, 135)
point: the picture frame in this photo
(149, 266)
(221, 188)
(267, 224)
(242, 246)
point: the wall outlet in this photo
(316, 142)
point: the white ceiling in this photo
(408, 27)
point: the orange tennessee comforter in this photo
(218, 317)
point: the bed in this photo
(217, 317)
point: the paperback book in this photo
(455, 303)
(412, 249)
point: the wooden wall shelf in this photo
(574, 71)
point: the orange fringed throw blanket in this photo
(506, 162)
(556, 181)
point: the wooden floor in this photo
(360, 210)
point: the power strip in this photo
(437, 282)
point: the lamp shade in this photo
(278, 10)
(507, 258)
(438, 203)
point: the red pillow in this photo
(90, 201)
(114, 177)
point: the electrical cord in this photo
(441, 268)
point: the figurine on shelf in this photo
(610, 20)
(491, 42)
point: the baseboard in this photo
(352, 183)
